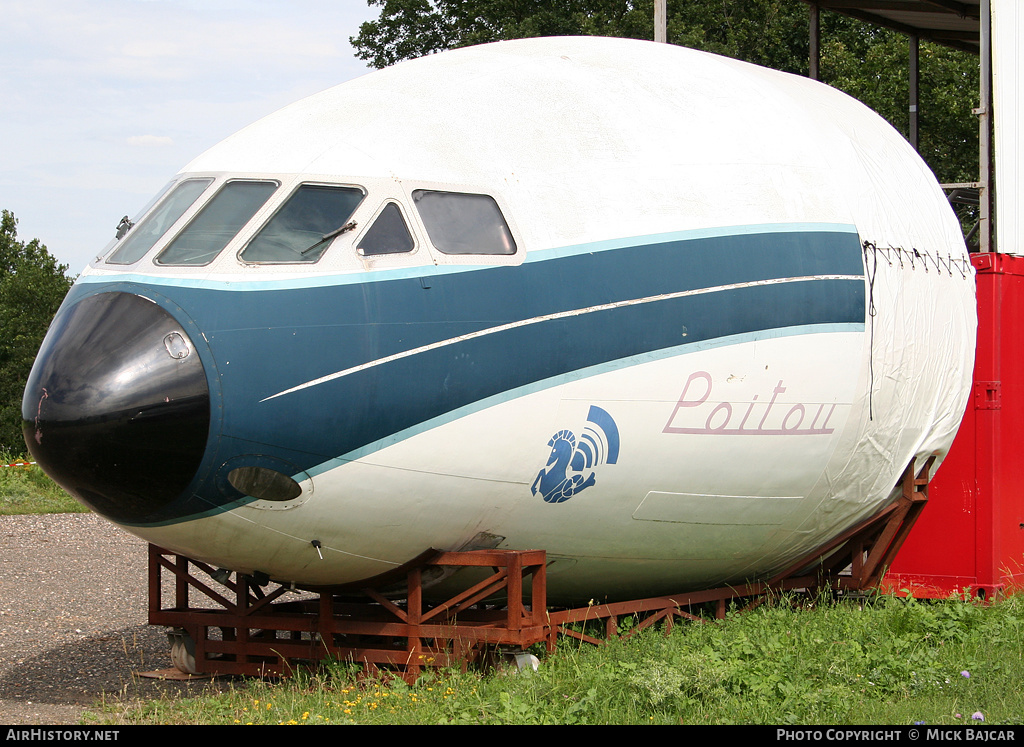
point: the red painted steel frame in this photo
(264, 634)
(258, 633)
(854, 561)
(971, 539)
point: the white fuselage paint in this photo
(735, 455)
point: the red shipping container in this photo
(970, 536)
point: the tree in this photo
(773, 33)
(873, 68)
(32, 286)
(868, 62)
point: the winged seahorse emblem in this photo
(572, 464)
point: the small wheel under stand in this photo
(183, 650)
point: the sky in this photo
(102, 102)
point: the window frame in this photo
(409, 227)
(150, 210)
(241, 230)
(280, 206)
(475, 257)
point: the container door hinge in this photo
(988, 395)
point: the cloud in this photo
(85, 85)
(150, 141)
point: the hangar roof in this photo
(953, 23)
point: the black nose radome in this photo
(117, 408)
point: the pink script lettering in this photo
(694, 414)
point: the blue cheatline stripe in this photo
(199, 509)
(501, 328)
(159, 276)
(402, 393)
(523, 391)
(690, 235)
(356, 324)
(445, 344)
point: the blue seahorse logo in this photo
(572, 464)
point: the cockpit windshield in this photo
(460, 223)
(389, 234)
(145, 235)
(197, 217)
(217, 223)
(305, 225)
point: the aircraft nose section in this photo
(117, 407)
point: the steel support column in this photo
(915, 80)
(814, 72)
(984, 112)
(660, 21)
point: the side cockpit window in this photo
(141, 240)
(461, 223)
(217, 223)
(388, 234)
(305, 225)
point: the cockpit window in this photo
(217, 223)
(305, 225)
(389, 234)
(459, 223)
(145, 235)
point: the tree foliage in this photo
(32, 286)
(413, 28)
(868, 62)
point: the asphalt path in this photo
(74, 635)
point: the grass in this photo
(26, 489)
(877, 660)
(884, 660)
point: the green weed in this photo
(884, 660)
(26, 489)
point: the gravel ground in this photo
(73, 611)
